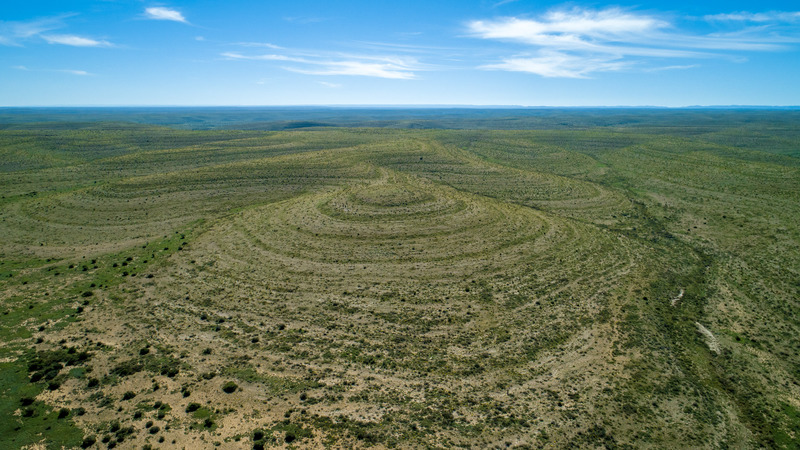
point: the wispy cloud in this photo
(403, 48)
(267, 57)
(503, 2)
(304, 20)
(771, 16)
(75, 41)
(161, 13)
(354, 65)
(676, 67)
(69, 71)
(359, 68)
(559, 65)
(16, 33)
(330, 85)
(74, 72)
(12, 33)
(577, 42)
(259, 44)
(575, 28)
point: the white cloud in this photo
(354, 65)
(359, 68)
(575, 43)
(678, 67)
(772, 16)
(233, 55)
(16, 33)
(69, 71)
(75, 41)
(330, 85)
(75, 72)
(161, 13)
(558, 65)
(503, 2)
(11, 33)
(573, 28)
(305, 20)
(259, 44)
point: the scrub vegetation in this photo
(599, 281)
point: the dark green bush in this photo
(192, 407)
(88, 441)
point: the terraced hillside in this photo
(364, 287)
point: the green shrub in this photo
(88, 441)
(192, 407)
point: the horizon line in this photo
(420, 106)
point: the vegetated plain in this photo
(604, 281)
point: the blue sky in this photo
(443, 52)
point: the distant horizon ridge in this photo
(409, 106)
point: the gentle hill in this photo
(616, 280)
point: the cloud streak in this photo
(558, 65)
(75, 41)
(577, 42)
(161, 13)
(349, 65)
(359, 68)
(11, 33)
(15, 33)
(266, 57)
(259, 44)
(69, 71)
(82, 73)
(772, 16)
